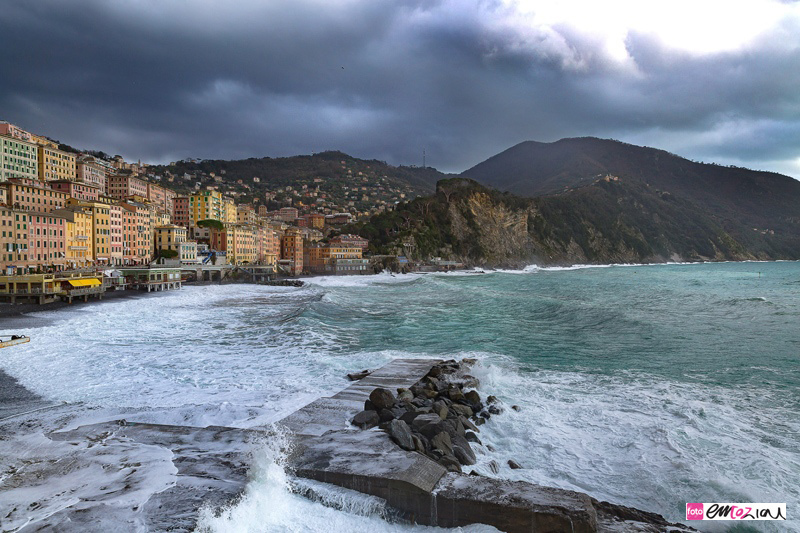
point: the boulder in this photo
(404, 395)
(429, 393)
(432, 429)
(419, 444)
(467, 423)
(355, 376)
(491, 399)
(472, 437)
(454, 427)
(440, 408)
(464, 457)
(517, 408)
(401, 434)
(463, 451)
(462, 410)
(435, 372)
(494, 467)
(443, 443)
(386, 415)
(409, 416)
(366, 419)
(455, 394)
(450, 463)
(369, 406)
(474, 400)
(513, 464)
(470, 382)
(494, 410)
(399, 411)
(422, 420)
(468, 361)
(382, 398)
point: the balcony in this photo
(78, 248)
(81, 238)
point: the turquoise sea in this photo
(650, 386)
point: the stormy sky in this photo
(163, 80)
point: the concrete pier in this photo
(211, 467)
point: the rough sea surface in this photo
(650, 386)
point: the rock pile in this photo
(436, 416)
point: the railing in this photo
(86, 290)
(29, 291)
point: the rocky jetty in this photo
(283, 283)
(437, 417)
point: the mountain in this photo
(746, 204)
(336, 178)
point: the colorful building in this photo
(14, 238)
(91, 171)
(101, 228)
(353, 240)
(47, 240)
(122, 186)
(168, 237)
(116, 232)
(78, 236)
(74, 189)
(292, 250)
(180, 213)
(206, 205)
(137, 232)
(33, 195)
(55, 164)
(18, 158)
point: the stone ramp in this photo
(335, 412)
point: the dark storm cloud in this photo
(462, 80)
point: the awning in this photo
(92, 282)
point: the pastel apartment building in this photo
(292, 251)
(55, 164)
(180, 211)
(78, 231)
(81, 191)
(13, 238)
(47, 239)
(92, 171)
(206, 205)
(137, 232)
(18, 158)
(122, 186)
(32, 195)
(101, 228)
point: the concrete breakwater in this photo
(415, 457)
(420, 474)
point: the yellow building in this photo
(56, 165)
(229, 211)
(101, 228)
(206, 205)
(168, 237)
(80, 244)
(245, 249)
(18, 159)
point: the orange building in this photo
(33, 195)
(292, 250)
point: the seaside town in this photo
(75, 225)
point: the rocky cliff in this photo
(610, 220)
